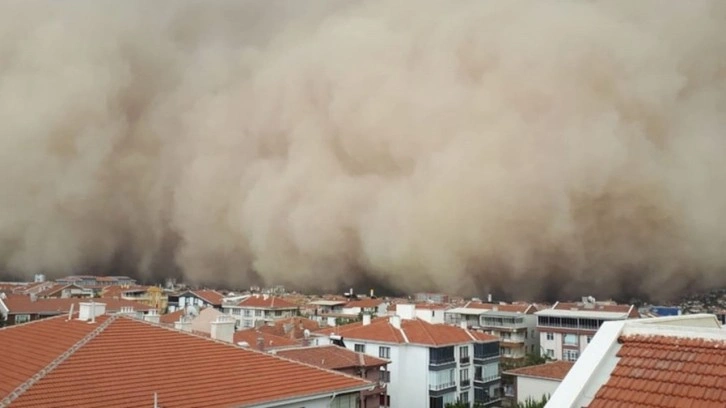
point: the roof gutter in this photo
(308, 397)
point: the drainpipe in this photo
(332, 397)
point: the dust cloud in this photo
(572, 147)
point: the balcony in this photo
(442, 388)
(465, 383)
(464, 360)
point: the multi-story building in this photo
(429, 312)
(258, 309)
(431, 297)
(431, 364)
(97, 281)
(566, 329)
(196, 298)
(515, 325)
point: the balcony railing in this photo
(465, 383)
(442, 361)
(442, 386)
(464, 360)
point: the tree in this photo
(532, 403)
(457, 404)
(528, 360)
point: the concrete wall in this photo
(534, 388)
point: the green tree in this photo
(458, 404)
(533, 403)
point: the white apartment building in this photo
(431, 364)
(515, 325)
(428, 312)
(566, 329)
(258, 309)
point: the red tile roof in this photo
(27, 348)
(54, 289)
(414, 331)
(22, 304)
(364, 303)
(660, 371)
(331, 357)
(267, 302)
(556, 370)
(173, 317)
(422, 306)
(127, 361)
(210, 296)
(117, 291)
(293, 327)
(512, 308)
(252, 336)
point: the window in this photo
(486, 350)
(464, 351)
(22, 318)
(481, 395)
(550, 336)
(570, 339)
(385, 376)
(464, 397)
(441, 355)
(385, 400)
(247, 313)
(258, 312)
(490, 372)
(360, 348)
(550, 353)
(477, 373)
(384, 352)
(464, 377)
(570, 355)
(525, 334)
(589, 339)
(345, 401)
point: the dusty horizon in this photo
(532, 149)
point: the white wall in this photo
(535, 388)
(320, 402)
(431, 316)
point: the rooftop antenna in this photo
(70, 311)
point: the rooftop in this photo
(124, 362)
(22, 304)
(412, 331)
(266, 302)
(364, 303)
(662, 371)
(331, 357)
(210, 296)
(270, 341)
(556, 370)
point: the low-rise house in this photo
(317, 309)
(21, 309)
(61, 290)
(431, 364)
(338, 358)
(659, 362)
(195, 298)
(430, 312)
(566, 329)
(373, 307)
(98, 360)
(258, 309)
(534, 382)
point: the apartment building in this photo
(258, 309)
(566, 329)
(515, 325)
(431, 364)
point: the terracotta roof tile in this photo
(252, 336)
(556, 370)
(660, 371)
(364, 303)
(210, 296)
(129, 360)
(266, 302)
(412, 331)
(293, 327)
(331, 357)
(54, 289)
(19, 304)
(173, 317)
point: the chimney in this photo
(396, 320)
(406, 311)
(366, 319)
(183, 325)
(152, 316)
(88, 311)
(464, 325)
(223, 329)
(331, 321)
(260, 343)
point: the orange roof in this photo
(512, 308)
(54, 289)
(556, 370)
(22, 304)
(116, 291)
(267, 302)
(173, 317)
(293, 327)
(27, 349)
(595, 308)
(364, 303)
(414, 331)
(252, 336)
(331, 357)
(125, 362)
(423, 306)
(210, 296)
(660, 371)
